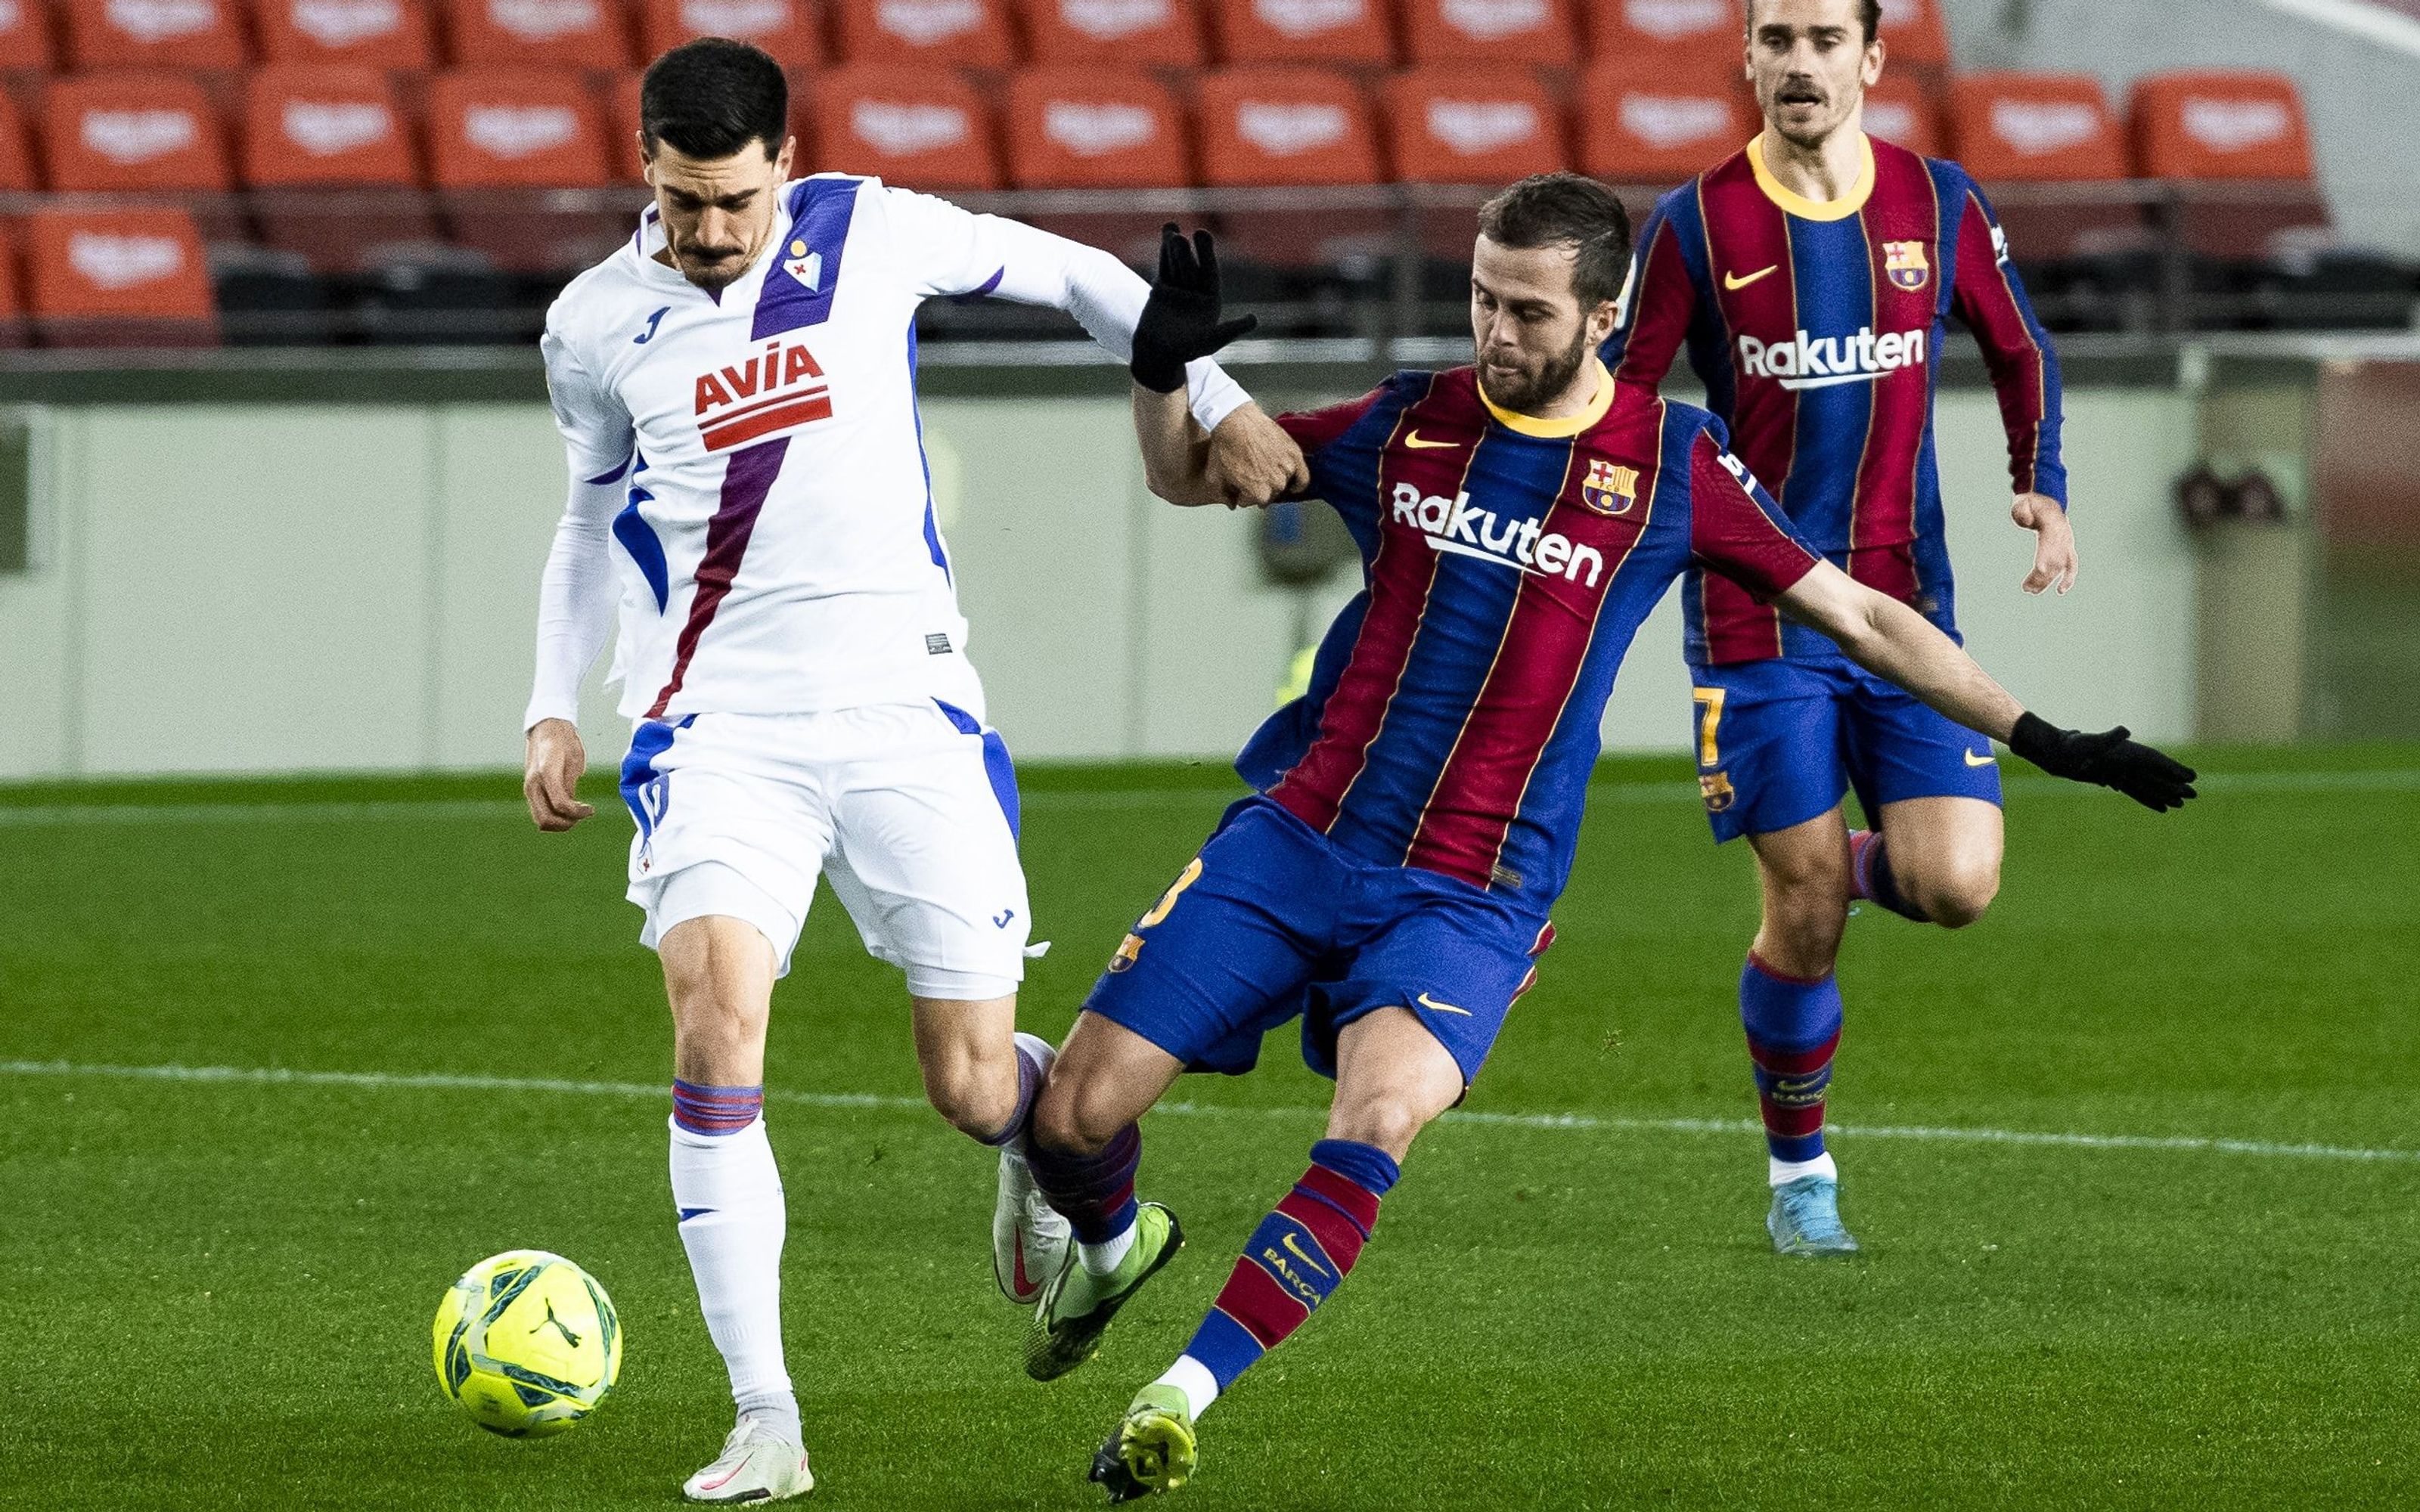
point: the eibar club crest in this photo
(804, 265)
(1609, 488)
(1904, 261)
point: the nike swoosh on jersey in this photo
(1414, 442)
(1433, 1006)
(1733, 283)
(1973, 760)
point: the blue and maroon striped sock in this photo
(1095, 1194)
(715, 1110)
(1793, 1027)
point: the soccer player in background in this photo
(735, 389)
(1811, 276)
(1414, 818)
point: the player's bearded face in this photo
(1811, 62)
(1530, 336)
(718, 212)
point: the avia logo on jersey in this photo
(1809, 362)
(1452, 525)
(780, 387)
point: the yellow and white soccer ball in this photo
(527, 1343)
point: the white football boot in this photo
(756, 1465)
(1029, 1239)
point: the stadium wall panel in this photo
(281, 587)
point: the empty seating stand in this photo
(517, 34)
(1303, 31)
(921, 128)
(2238, 151)
(379, 34)
(784, 28)
(950, 33)
(327, 153)
(1459, 33)
(117, 278)
(163, 34)
(1126, 34)
(1292, 127)
(496, 134)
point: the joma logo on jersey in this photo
(1809, 362)
(1452, 525)
(1609, 488)
(1904, 261)
(778, 388)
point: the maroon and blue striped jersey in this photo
(1452, 716)
(1817, 330)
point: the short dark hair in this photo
(1869, 11)
(1566, 210)
(712, 97)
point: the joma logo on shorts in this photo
(1810, 362)
(778, 388)
(1452, 525)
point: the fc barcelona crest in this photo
(1904, 261)
(1609, 488)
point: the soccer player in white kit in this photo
(735, 390)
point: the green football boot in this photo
(1077, 1305)
(1153, 1449)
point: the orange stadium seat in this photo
(515, 34)
(24, 36)
(2240, 145)
(118, 277)
(1304, 31)
(920, 127)
(1123, 33)
(313, 129)
(382, 34)
(948, 33)
(1903, 112)
(1914, 36)
(1091, 127)
(1472, 125)
(167, 34)
(786, 28)
(1463, 32)
(1643, 33)
(16, 174)
(622, 159)
(132, 130)
(495, 130)
(1639, 128)
(1273, 126)
(2034, 127)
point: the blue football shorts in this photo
(1780, 742)
(1273, 922)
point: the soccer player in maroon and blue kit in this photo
(1812, 277)
(1414, 814)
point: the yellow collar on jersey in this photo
(1562, 427)
(1815, 209)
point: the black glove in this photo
(1181, 322)
(2111, 759)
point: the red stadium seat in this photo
(2240, 146)
(492, 129)
(1285, 125)
(313, 132)
(1303, 31)
(26, 36)
(123, 277)
(1641, 33)
(166, 34)
(622, 159)
(381, 34)
(516, 34)
(134, 129)
(921, 128)
(1464, 32)
(1914, 36)
(1121, 32)
(1641, 129)
(944, 33)
(1903, 113)
(1472, 125)
(1079, 128)
(784, 28)
(2034, 127)
(16, 174)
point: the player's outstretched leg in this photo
(728, 1196)
(1086, 1148)
(1028, 1238)
(1393, 1077)
(1790, 1006)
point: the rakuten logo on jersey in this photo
(1452, 525)
(778, 388)
(1820, 361)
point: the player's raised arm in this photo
(575, 593)
(1991, 300)
(1180, 325)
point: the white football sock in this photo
(1192, 1377)
(1102, 1259)
(1783, 1172)
(731, 1195)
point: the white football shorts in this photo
(909, 810)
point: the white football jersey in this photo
(757, 459)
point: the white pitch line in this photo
(1581, 1123)
(46, 816)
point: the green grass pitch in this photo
(216, 1293)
